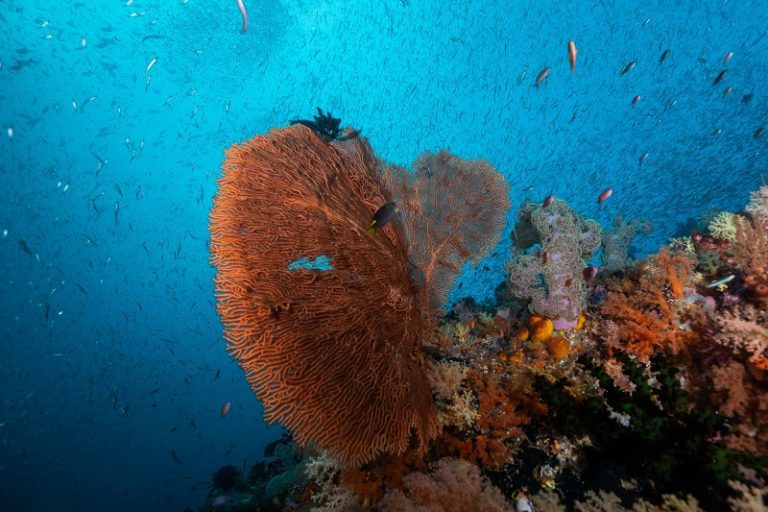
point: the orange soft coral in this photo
(644, 318)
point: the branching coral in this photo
(553, 278)
(645, 316)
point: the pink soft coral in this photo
(454, 486)
(746, 332)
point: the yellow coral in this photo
(723, 226)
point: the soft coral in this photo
(643, 316)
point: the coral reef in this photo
(643, 387)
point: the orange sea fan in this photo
(459, 208)
(334, 355)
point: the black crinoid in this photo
(327, 126)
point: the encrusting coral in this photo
(335, 353)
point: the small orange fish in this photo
(548, 201)
(544, 258)
(225, 408)
(605, 194)
(572, 52)
(543, 74)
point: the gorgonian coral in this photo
(552, 277)
(334, 350)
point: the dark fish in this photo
(24, 247)
(759, 132)
(543, 74)
(174, 457)
(381, 217)
(80, 287)
(747, 98)
(664, 56)
(118, 190)
(117, 211)
(147, 38)
(589, 273)
(719, 77)
(218, 373)
(626, 69)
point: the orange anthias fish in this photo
(572, 52)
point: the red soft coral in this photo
(644, 316)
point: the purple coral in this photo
(552, 278)
(616, 242)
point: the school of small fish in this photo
(132, 95)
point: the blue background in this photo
(129, 299)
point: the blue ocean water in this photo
(115, 116)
